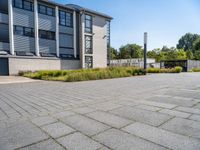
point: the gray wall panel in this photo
(23, 18)
(47, 22)
(47, 46)
(66, 30)
(4, 46)
(24, 43)
(3, 18)
(66, 51)
(66, 40)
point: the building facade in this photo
(44, 35)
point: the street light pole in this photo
(145, 50)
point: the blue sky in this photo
(164, 20)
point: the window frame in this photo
(66, 20)
(46, 10)
(89, 50)
(22, 5)
(23, 31)
(47, 35)
(88, 29)
(7, 39)
(87, 63)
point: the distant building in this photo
(44, 35)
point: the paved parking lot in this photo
(154, 112)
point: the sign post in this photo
(145, 51)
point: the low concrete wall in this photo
(28, 64)
(70, 64)
(192, 64)
(16, 64)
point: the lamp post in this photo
(145, 50)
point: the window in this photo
(28, 32)
(19, 30)
(108, 33)
(65, 19)
(88, 44)
(4, 33)
(4, 6)
(88, 62)
(47, 35)
(23, 4)
(88, 23)
(46, 10)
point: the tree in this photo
(189, 54)
(196, 44)
(186, 41)
(131, 51)
(114, 53)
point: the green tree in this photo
(186, 41)
(131, 51)
(189, 54)
(181, 54)
(197, 55)
(196, 44)
(114, 53)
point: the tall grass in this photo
(85, 74)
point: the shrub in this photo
(167, 70)
(196, 70)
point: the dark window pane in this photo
(69, 19)
(4, 33)
(88, 23)
(50, 11)
(88, 62)
(28, 32)
(42, 9)
(88, 44)
(42, 34)
(27, 5)
(4, 6)
(18, 3)
(19, 30)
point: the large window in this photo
(88, 62)
(88, 44)
(23, 4)
(25, 31)
(88, 23)
(4, 6)
(65, 19)
(47, 35)
(4, 33)
(42, 9)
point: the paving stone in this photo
(45, 145)
(150, 108)
(41, 121)
(175, 113)
(149, 117)
(109, 119)
(78, 141)
(188, 110)
(118, 140)
(162, 137)
(85, 125)
(162, 105)
(84, 110)
(195, 117)
(183, 93)
(187, 102)
(104, 148)
(19, 134)
(106, 106)
(63, 114)
(183, 126)
(57, 129)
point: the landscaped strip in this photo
(94, 74)
(85, 74)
